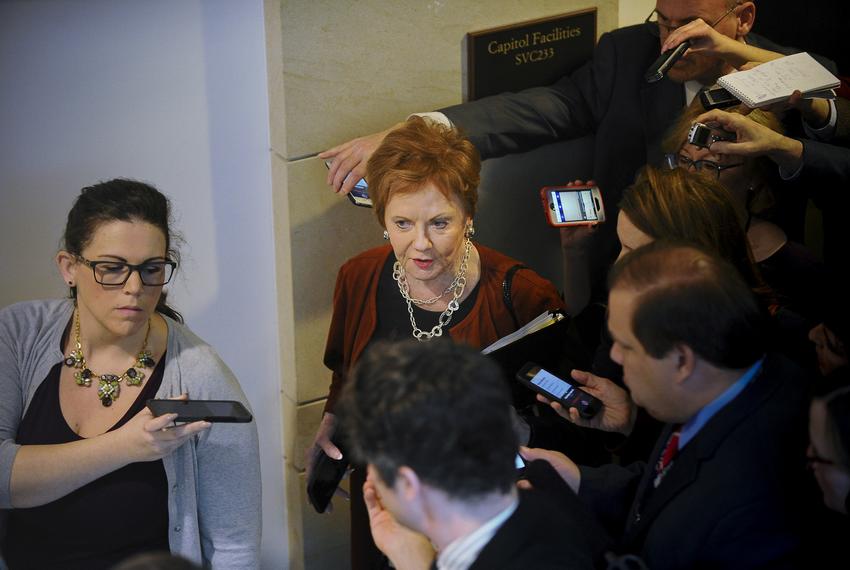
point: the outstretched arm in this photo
(349, 159)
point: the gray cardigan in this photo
(213, 480)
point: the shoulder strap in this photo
(506, 290)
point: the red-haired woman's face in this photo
(426, 231)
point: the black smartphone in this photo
(665, 61)
(359, 195)
(563, 391)
(226, 411)
(717, 98)
(325, 477)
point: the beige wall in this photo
(635, 11)
(338, 70)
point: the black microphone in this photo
(665, 61)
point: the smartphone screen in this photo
(553, 385)
(574, 206)
(555, 388)
(519, 462)
(359, 195)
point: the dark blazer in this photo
(732, 497)
(826, 171)
(538, 535)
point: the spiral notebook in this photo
(776, 80)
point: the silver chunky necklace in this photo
(458, 284)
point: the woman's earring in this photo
(71, 283)
(470, 230)
(386, 234)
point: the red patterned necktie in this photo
(668, 455)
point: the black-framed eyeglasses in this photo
(673, 161)
(152, 273)
(656, 27)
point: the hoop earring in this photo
(386, 235)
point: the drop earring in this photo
(470, 230)
(386, 235)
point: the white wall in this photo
(174, 93)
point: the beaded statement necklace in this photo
(457, 286)
(110, 384)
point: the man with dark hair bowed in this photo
(724, 485)
(432, 421)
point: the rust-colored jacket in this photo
(355, 308)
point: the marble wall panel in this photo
(326, 544)
(324, 230)
(351, 68)
(308, 417)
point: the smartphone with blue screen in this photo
(559, 390)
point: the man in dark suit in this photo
(723, 485)
(608, 97)
(433, 422)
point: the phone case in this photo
(187, 412)
(325, 478)
(544, 197)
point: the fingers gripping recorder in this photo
(703, 136)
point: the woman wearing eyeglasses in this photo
(89, 475)
(788, 267)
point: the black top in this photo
(100, 524)
(393, 319)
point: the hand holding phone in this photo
(358, 195)
(572, 205)
(225, 411)
(554, 388)
(617, 413)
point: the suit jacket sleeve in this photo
(609, 491)
(569, 108)
(842, 126)
(826, 171)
